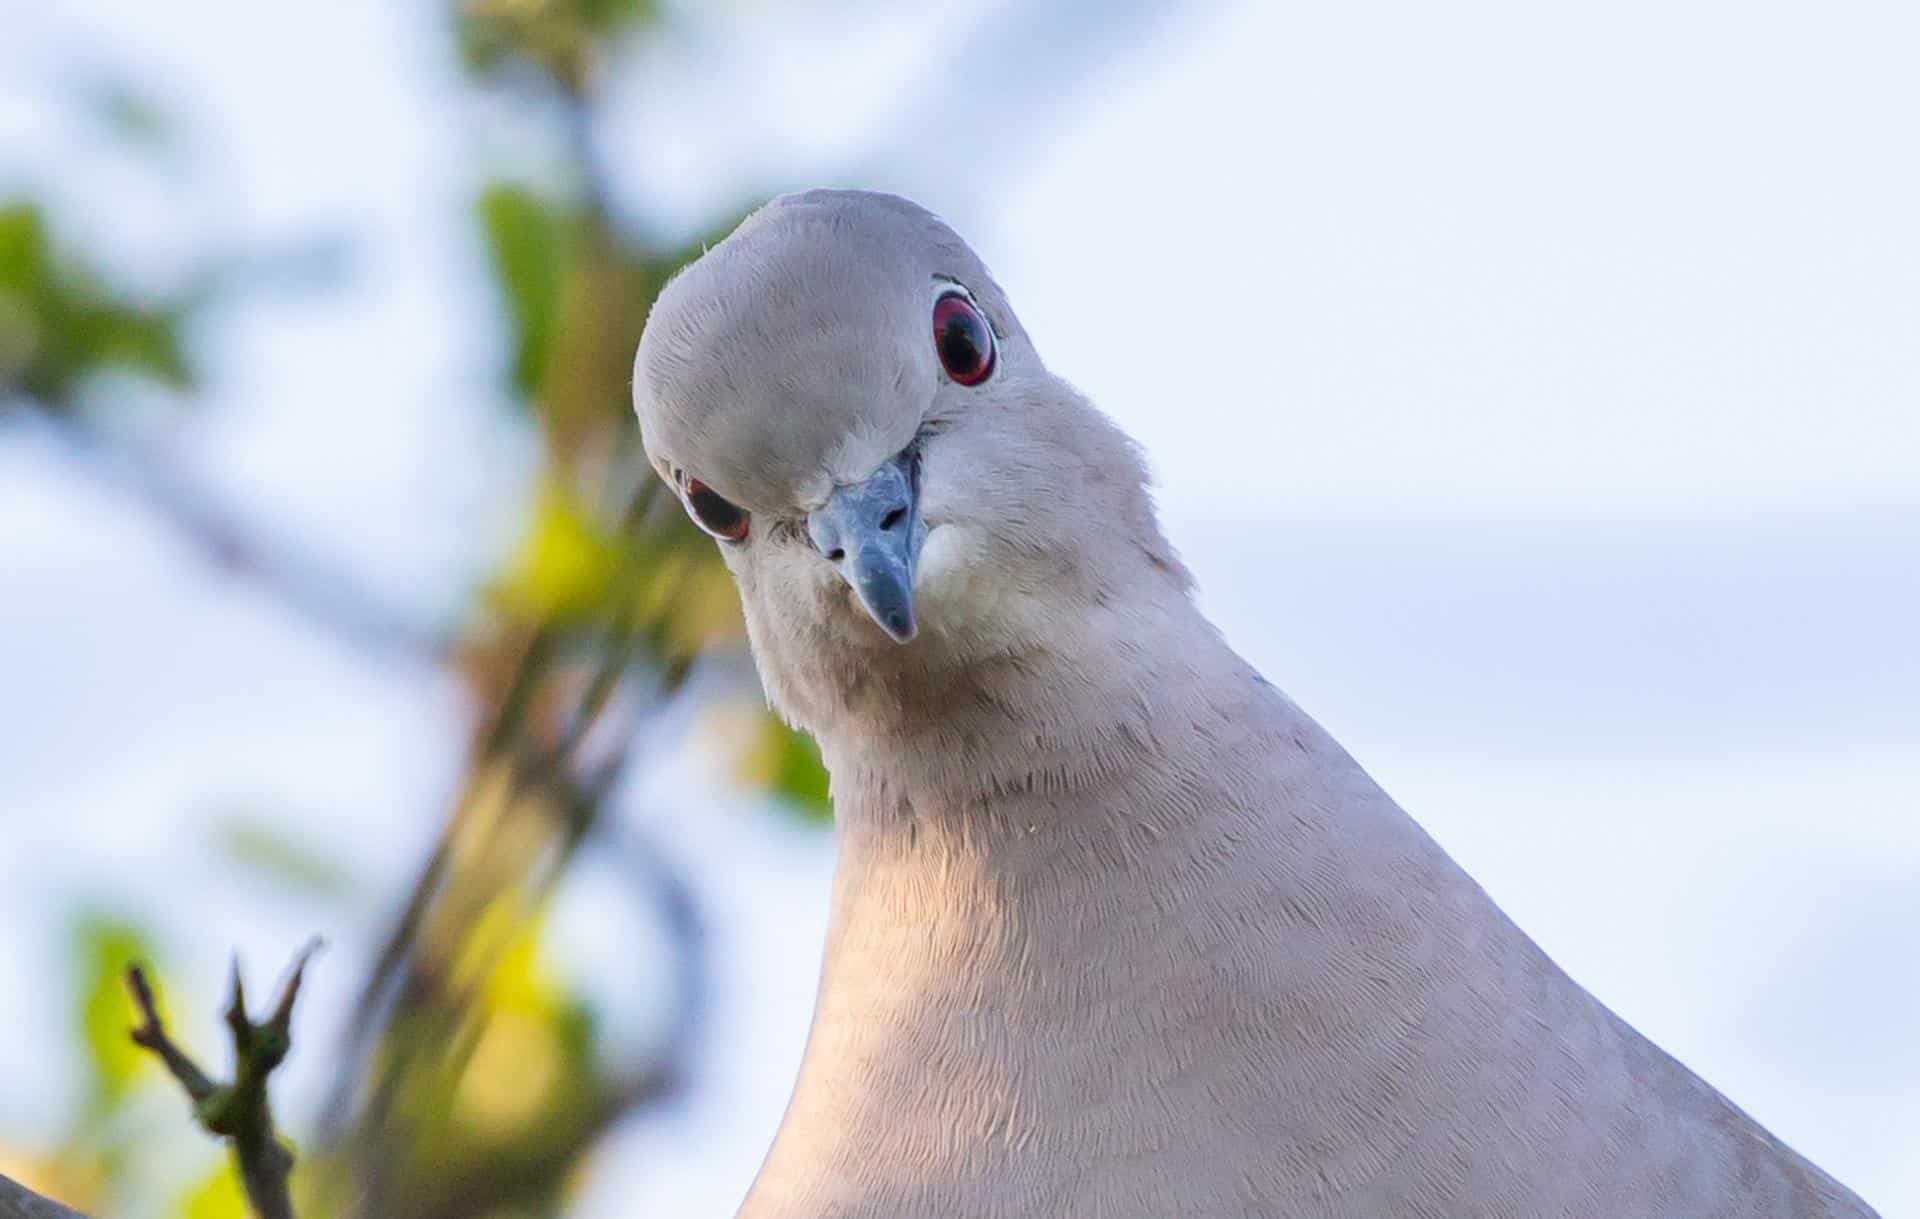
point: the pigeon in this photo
(1116, 929)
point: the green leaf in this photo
(109, 334)
(23, 249)
(267, 850)
(104, 947)
(787, 763)
(604, 16)
(802, 777)
(59, 323)
(533, 244)
(23, 271)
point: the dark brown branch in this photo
(238, 1112)
(151, 1034)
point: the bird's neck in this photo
(959, 744)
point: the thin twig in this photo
(238, 1112)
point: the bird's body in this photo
(1117, 929)
(1196, 963)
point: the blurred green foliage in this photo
(256, 843)
(563, 38)
(534, 245)
(473, 1080)
(787, 763)
(102, 946)
(59, 322)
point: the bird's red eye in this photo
(714, 513)
(963, 338)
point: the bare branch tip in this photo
(290, 989)
(237, 1000)
(148, 1033)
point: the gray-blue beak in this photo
(871, 532)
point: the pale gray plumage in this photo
(1117, 930)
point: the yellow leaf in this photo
(522, 981)
(217, 1196)
(565, 566)
(507, 1081)
(105, 947)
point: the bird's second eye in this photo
(714, 513)
(963, 338)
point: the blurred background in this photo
(1535, 392)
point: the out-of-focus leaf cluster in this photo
(787, 762)
(89, 1163)
(534, 248)
(480, 1081)
(474, 1078)
(104, 946)
(565, 39)
(60, 323)
(665, 580)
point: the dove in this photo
(1116, 928)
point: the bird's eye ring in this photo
(714, 513)
(963, 338)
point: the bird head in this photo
(843, 398)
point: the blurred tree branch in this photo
(599, 619)
(471, 1080)
(19, 1202)
(62, 324)
(327, 597)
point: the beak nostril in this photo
(868, 533)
